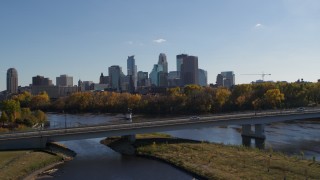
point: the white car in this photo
(194, 117)
(300, 109)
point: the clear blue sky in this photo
(83, 38)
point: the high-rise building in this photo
(143, 79)
(115, 75)
(203, 77)
(154, 74)
(174, 78)
(64, 80)
(189, 70)
(132, 70)
(41, 81)
(226, 79)
(12, 81)
(180, 58)
(163, 61)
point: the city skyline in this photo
(83, 39)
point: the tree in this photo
(24, 98)
(40, 116)
(40, 101)
(221, 97)
(12, 108)
(4, 118)
(273, 98)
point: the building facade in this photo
(189, 70)
(64, 80)
(143, 80)
(163, 61)
(41, 81)
(154, 74)
(180, 58)
(116, 76)
(226, 79)
(132, 70)
(12, 81)
(203, 77)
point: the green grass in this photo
(217, 161)
(18, 164)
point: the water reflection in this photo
(97, 161)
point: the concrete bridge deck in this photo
(38, 139)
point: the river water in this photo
(96, 161)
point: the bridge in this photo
(39, 138)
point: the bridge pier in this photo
(258, 135)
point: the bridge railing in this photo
(72, 127)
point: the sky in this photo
(83, 38)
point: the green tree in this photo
(4, 118)
(12, 108)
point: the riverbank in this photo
(217, 161)
(27, 164)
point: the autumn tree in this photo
(40, 101)
(273, 98)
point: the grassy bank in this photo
(18, 164)
(217, 161)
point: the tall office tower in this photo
(132, 70)
(154, 74)
(142, 79)
(41, 81)
(163, 61)
(220, 80)
(180, 60)
(174, 78)
(115, 75)
(203, 77)
(12, 81)
(189, 70)
(226, 79)
(64, 80)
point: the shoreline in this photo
(46, 171)
(126, 148)
(205, 160)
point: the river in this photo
(96, 161)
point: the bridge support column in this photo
(258, 134)
(259, 131)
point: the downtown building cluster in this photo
(157, 81)
(159, 78)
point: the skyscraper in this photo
(12, 81)
(226, 79)
(203, 77)
(154, 74)
(115, 75)
(64, 80)
(179, 61)
(189, 70)
(132, 70)
(163, 61)
(142, 79)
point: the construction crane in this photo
(262, 75)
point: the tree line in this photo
(189, 99)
